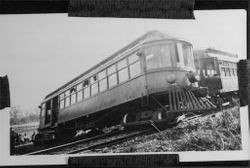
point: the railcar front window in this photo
(159, 56)
(188, 57)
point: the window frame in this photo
(122, 69)
(65, 98)
(132, 63)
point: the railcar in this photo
(218, 72)
(147, 80)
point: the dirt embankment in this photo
(217, 132)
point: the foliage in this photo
(20, 116)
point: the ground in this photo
(217, 132)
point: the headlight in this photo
(171, 78)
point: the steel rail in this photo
(118, 140)
(110, 142)
(74, 143)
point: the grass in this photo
(218, 132)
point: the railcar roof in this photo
(147, 37)
(201, 53)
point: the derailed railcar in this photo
(218, 72)
(148, 80)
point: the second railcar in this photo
(218, 72)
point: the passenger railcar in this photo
(218, 72)
(146, 80)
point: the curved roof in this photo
(147, 37)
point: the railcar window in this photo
(79, 92)
(79, 96)
(86, 83)
(73, 96)
(43, 111)
(102, 74)
(159, 56)
(209, 72)
(187, 54)
(103, 85)
(132, 58)
(226, 72)
(179, 54)
(204, 72)
(67, 101)
(235, 72)
(62, 101)
(102, 81)
(93, 79)
(48, 112)
(67, 93)
(135, 69)
(222, 72)
(232, 72)
(47, 117)
(112, 79)
(67, 98)
(229, 72)
(111, 69)
(86, 92)
(79, 87)
(121, 64)
(199, 72)
(123, 75)
(94, 88)
(213, 72)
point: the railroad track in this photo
(89, 143)
(109, 142)
(86, 140)
(108, 139)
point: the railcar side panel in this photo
(122, 93)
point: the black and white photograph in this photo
(103, 86)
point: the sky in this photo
(41, 52)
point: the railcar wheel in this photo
(128, 118)
(157, 115)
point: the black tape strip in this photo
(169, 9)
(4, 92)
(136, 161)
